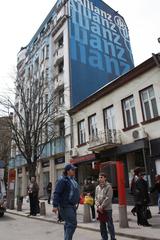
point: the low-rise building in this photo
(121, 121)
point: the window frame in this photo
(83, 131)
(145, 118)
(95, 129)
(133, 121)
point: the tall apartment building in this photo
(81, 46)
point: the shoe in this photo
(147, 225)
(133, 212)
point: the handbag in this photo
(88, 200)
(148, 213)
(81, 200)
(102, 216)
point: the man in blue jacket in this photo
(65, 200)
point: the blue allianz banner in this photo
(100, 48)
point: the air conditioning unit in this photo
(74, 152)
(139, 134)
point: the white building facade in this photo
(120, 122)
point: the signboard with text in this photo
(99, 47)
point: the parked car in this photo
(2, 205)
(2, 198)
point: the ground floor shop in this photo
(48, 170)
(141, 153)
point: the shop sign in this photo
(45, 164)
(59, 160)
(85, 158)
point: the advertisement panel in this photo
(99, 47)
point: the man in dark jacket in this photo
(141, 200)
(65, 199)
(33, 190)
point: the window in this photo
(43, 53)
(129, 112)
(81, 132)
(92, 127)
(61, 128)
(109, 118)
(60, 41)
(47, 76)
(60, 67)
(61, 97)
(46, 102)
(149, 105)
(47, 51)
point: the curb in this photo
(79, 226)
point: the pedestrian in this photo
(103, 201)
(66, 199)
(89, 190)
(49, 191)
(33, 190)
(133, 182)
(141, 200)
(157, 188)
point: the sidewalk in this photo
(134, 231)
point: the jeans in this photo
(69, 215)
(109, 224)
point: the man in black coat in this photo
(141, 199)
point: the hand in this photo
(100, 209)
(55, 210)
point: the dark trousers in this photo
(109, 225)
(141, 214)
(49, 197)
(34, 204)
(93, 211)
(69, 215)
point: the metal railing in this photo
(109, 136)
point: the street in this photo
(14, 227)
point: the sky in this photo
(20, 19)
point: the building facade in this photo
(120, 122)
(80, 47)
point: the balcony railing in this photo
(58, 55)
(58, 81)
(103, 140)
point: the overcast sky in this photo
(19, 20)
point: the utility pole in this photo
(123, 220)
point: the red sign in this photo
(83, 158)
(12, 175)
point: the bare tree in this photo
(33, 117)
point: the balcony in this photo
(58, 55)
(58, 81)
(20, 161)
(110, 138)
(59, 112)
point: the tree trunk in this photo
(32, 169)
